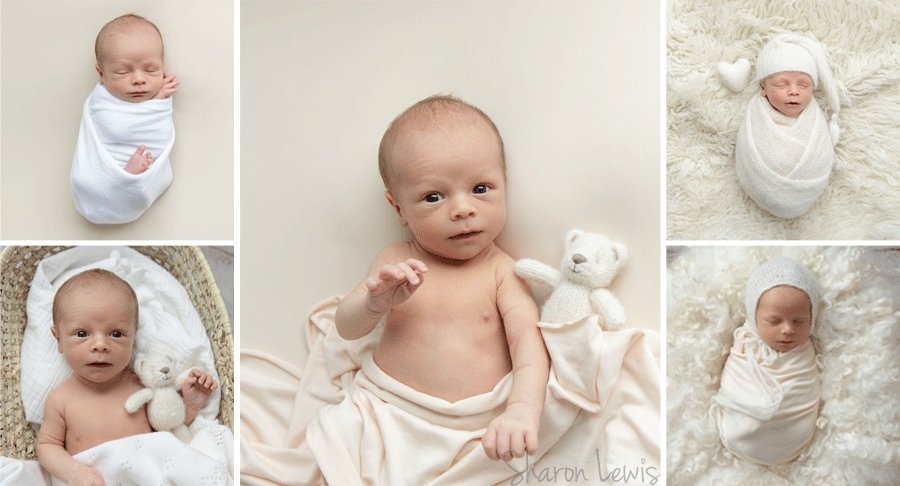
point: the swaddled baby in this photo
(768, 399)
(121, 163)
(785, 146)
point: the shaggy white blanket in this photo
(154, 458)
(704, 198)
(857, 437)
(783, 163)
(344, 421)
(111, 130)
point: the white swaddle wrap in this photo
(768, 402)
(111, 131)
(784, 163)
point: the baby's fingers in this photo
(489, 442)
(531, 442)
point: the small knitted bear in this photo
(590, 263)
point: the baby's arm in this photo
(195, 392)
(170, 87)
(515, 431)
(389, 285)
(51, 449)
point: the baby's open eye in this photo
(432, 197)
(81, 334)
(117, 334)
(480, 189)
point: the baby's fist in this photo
(512, 433)
(394, 284)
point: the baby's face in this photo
(784, 317)
(95, 332)
(132, 65)
(449, 187)
(788, 92)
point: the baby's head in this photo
(789, 68)
(781, 298)
(444, 169)
(129, 52)
(95, 319)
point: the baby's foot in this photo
(139, 162)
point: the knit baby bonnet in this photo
(775, 272)
(790, 52)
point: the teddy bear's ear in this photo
(621, 254)
(573, 235)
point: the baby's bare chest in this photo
(93, 419)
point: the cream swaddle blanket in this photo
(768, 401)
(111, 130)
(784, 163)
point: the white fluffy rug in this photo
(704, 200)
(857, 439)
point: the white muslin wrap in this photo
(111, 131)
(783, 163)
(768, 402)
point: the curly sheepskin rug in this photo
(704, 200)
(857, 335)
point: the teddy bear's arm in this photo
(138, 399)
(535, 271)
(607, 305)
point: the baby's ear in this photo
(99, 72)
(396, 206)
(56, 336)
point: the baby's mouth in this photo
(138, 94)
(99, 364)
(466, 235)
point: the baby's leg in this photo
(139, 162)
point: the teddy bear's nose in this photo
(578, 258)
(164, 370)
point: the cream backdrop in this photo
(48, 71)
(572, 86)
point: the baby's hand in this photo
(170, 87)
(139, 162)
(86, 476)
(196, 389)
(512, 433)
(394, 284)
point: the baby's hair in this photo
(92, 277)
(119, 24)
(430, 111)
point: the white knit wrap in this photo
(111, 130)
(768, 402)
(783, 163)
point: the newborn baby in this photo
(784, 150)
(768, 399)
(458, 319)
(95, 319)
(126, 126)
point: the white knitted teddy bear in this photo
(165, 407)
(590, 263)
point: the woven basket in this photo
(18, 265)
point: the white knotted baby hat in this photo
(776, 272)
(790, 52)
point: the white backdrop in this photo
(48, 71)
(572, 86)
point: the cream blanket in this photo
(154, 458)
(350, 423)
(768, 402)
(111, 130)
(783, 163)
